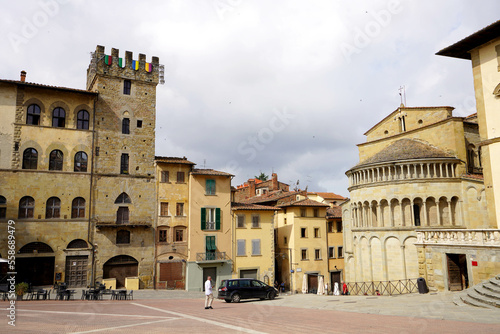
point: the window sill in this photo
(258, 227)
(304, 260)
(166, 182)
(210, 194)
(318, 259)
(241, 227)
(256, 255)
(240, 255)
(180, 216)
(179, 182)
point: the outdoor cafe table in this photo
(119, 294)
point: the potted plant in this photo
(21, 289)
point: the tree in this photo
(262, 176)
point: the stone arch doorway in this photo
(35, 264)
(120, 267)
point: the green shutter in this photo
(203, 218)
(213, 244)
(217, 219)
(210, 243)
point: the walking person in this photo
(209, 296)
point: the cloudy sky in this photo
(250, 86)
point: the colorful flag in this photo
(108, 60)
(121, 62)
(135, 64)
(149, 67)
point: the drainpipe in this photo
(92, 272)
(155, 224)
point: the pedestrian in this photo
(345, 291)
(336, 290)
(209, 296)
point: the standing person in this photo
(209, 296)
(345, 291)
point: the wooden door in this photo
(76, 271)
(312, 283)
(456, 272)
(172, 273)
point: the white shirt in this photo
(208, 287)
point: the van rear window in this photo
(233, 283)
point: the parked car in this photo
(233, 290)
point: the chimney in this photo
(23, 76)
(274, 184)
(251, 188)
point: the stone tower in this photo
(123, 204)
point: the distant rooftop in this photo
(461, 49)
(176, 160)
(200, 171)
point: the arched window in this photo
(30, 158)
(122, 237)
(26, 207)
(3, 207)
(123, 199)
(58, 118)
(56, 160)
(81, 161)
(126, 126)
(78, 208)
(33, 116)
(53, 208)
(82, 120)
(77, 243)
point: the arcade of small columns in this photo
(403, 171)
(424, 210)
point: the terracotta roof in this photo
(249, 206)
(175, 160)
(328, 195)
(405, 149)
(270, 196)
(32, 84)
(199, 171)
(461, 48)
(303, 202)
(334, 212)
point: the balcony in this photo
(459, 237)
(212, 257)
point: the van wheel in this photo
(271, 295)
(235, 298)
(227, 300)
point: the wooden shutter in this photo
(217, 219)
(203, 218)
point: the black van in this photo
(233, 290)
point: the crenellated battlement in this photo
(126, 68)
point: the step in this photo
(483, 299)
(492, 287)
(495, 281)
(473, 302)
(480, 289)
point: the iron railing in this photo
(398, 287)
(212, 256)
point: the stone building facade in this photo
(415, 175)
(253, 226)
(77, 173)
(210, 231)
(172, 182)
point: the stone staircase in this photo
(486, 294)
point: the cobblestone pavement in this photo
(183, 312)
